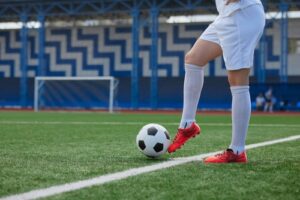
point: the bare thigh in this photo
(202, 52)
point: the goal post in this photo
(40, 82)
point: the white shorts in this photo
(237, 34)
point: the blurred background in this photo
(141, 44)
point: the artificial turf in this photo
(50, 148)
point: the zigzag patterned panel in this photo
(9, 54)
(97, 51)
(94, 51)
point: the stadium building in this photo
(141, 44)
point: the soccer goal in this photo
(75, 93)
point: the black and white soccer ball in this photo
(153, 140)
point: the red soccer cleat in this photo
(183, 135)
(227, 157)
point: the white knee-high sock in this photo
(193, 83)
(241, 111)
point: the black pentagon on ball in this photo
(142, 144)
(152, 131)
(167, 135)
(158, 147)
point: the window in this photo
(294, 46)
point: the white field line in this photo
(58, 189)
(130, 123)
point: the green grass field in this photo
(39, 150)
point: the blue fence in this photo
(215, 94)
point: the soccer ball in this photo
(153, 140)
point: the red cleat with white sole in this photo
(227, 156)
(184, 135)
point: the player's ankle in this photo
(186, 124)
(237, 149)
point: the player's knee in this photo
(239, 77)
(191, 58)
(232, 82)
(238, 81)
(188, 57)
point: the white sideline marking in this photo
(133, 123)
(58, 189)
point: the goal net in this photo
(75, 93)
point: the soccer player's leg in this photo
(201, 53)
(238, 50)
(241, 111)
